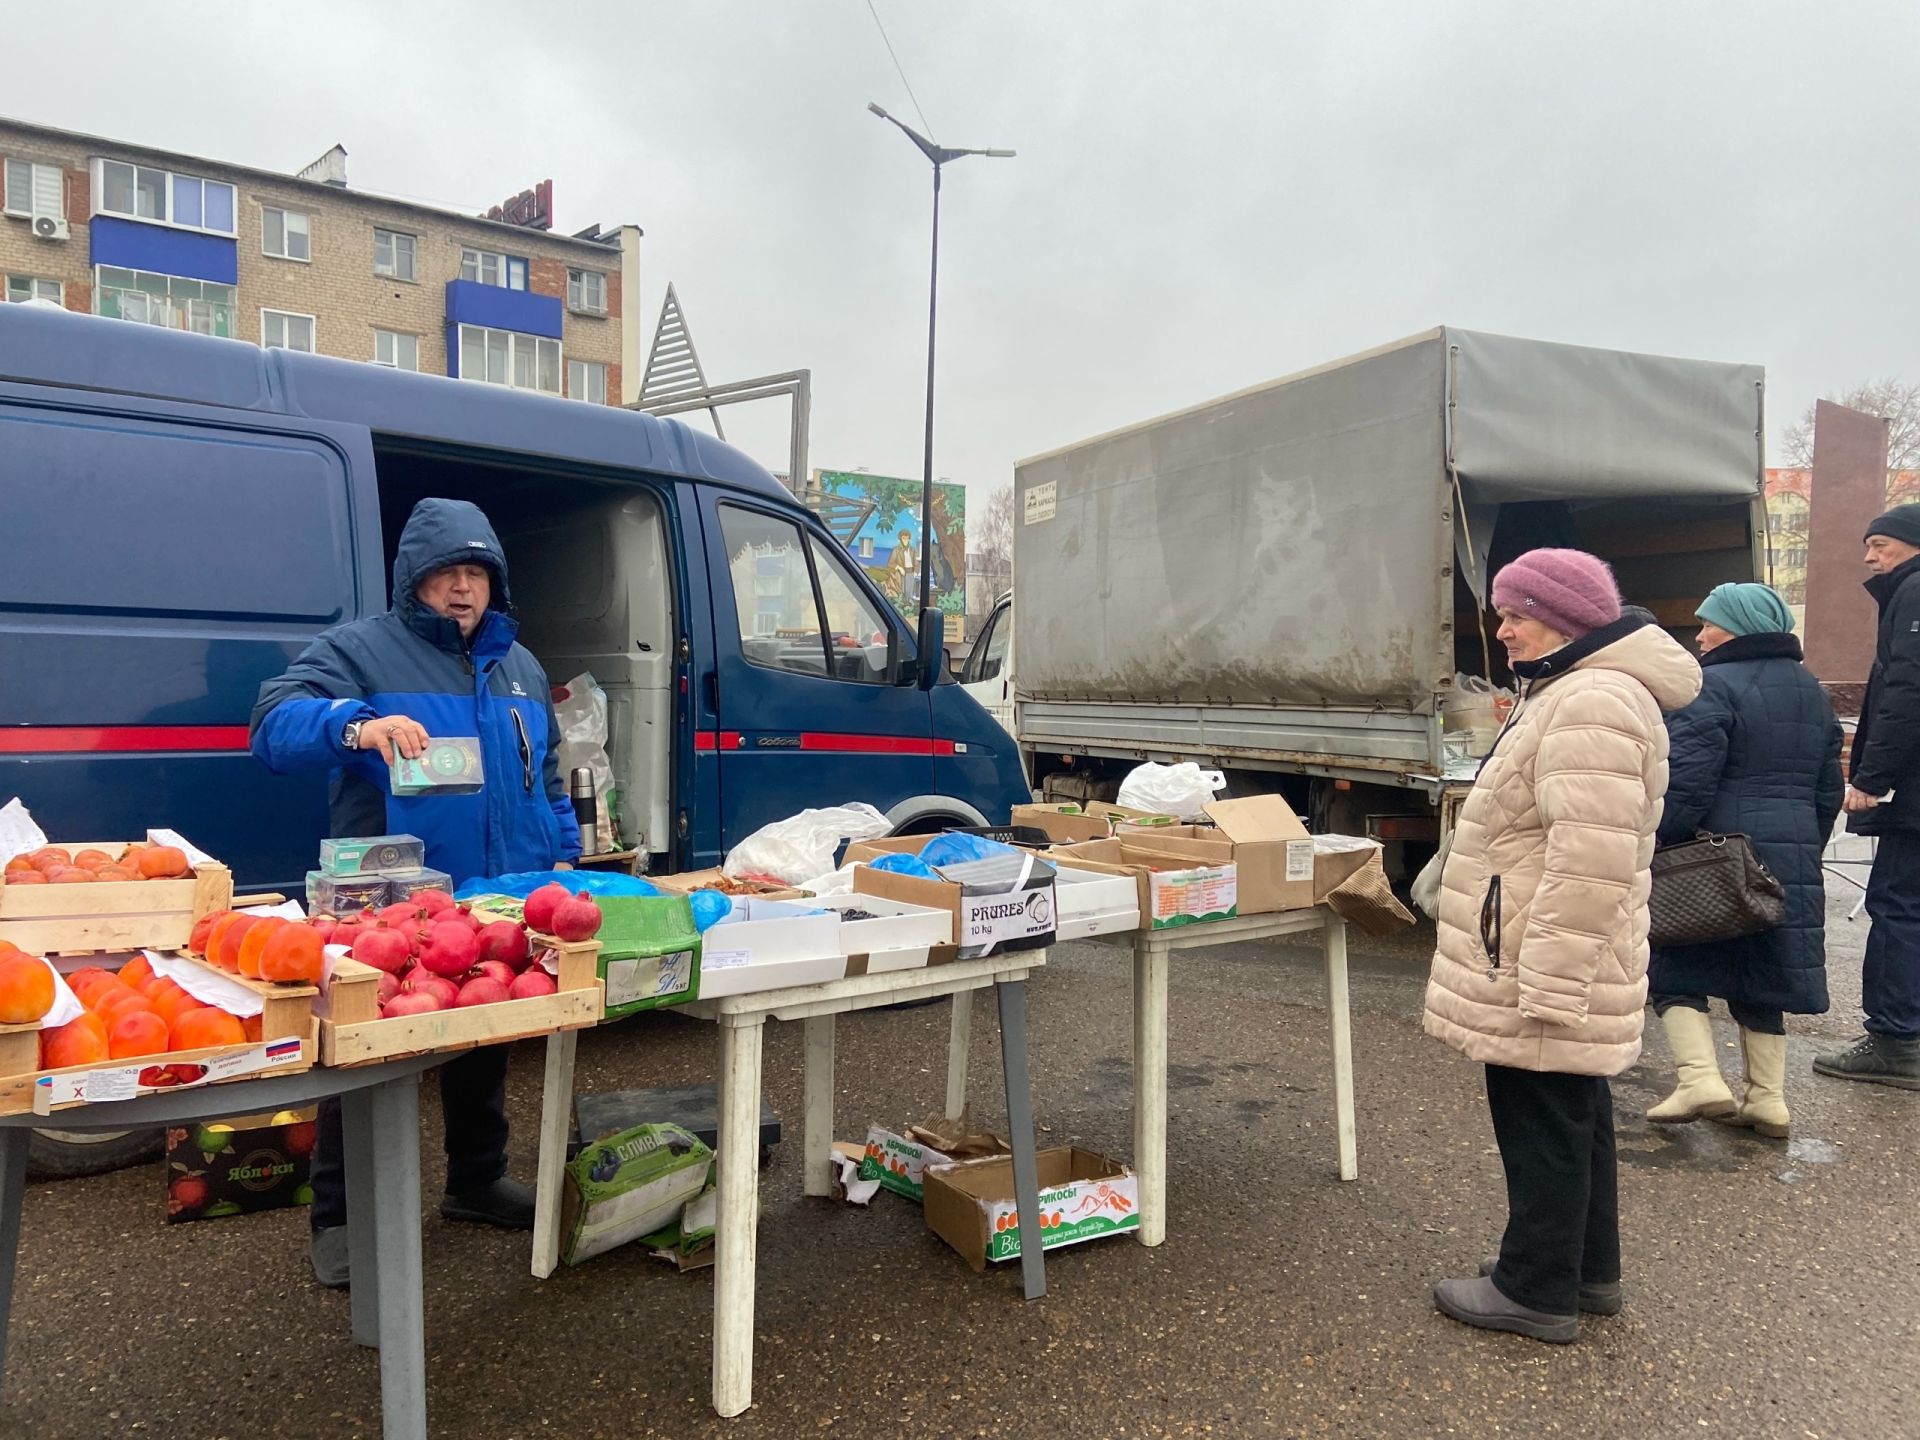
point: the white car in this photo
(988, 673)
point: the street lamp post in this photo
(939, 155)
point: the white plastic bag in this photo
(1181, 790)
(581, 709)
(800, 847)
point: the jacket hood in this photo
(1766, 645)
(440, 533)
(1654, 658)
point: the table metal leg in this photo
(556, 1105)
(959, 1041)
(737, 1162)
(395, 1110)
(817, 1171)
(1335, 941)
(356, 1127)
(13, 1193)
(1026, 1177)
(1150, 1086)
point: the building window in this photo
(34, 189)
(141, 192)
(32, 287)
(390, 347)
(285, 234)
(587, 380)
(506, 357)
(281, 329)
(393, 254)
(587, 291)
(486, 267)
(174, 301)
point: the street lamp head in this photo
(878, 111)
(998, 154)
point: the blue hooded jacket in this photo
(413, 662)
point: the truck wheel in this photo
(70, 1154)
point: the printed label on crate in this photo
(648, 977)
(990, 920)
(1084, 1210)
(1189, 897)
(126, 1082)
(1299, 860)
(725, 959)
(898, 1164)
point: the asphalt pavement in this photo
(1771, 1286)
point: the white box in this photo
(1093, 904)
(770, 945)
(898, 937)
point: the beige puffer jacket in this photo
(1542, 959)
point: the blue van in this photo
(179, 514)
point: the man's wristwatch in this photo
(350, 736)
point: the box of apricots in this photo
(108, 895)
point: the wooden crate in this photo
(286, 1015)
(352, 1032)
(111, 914)
(717, 880)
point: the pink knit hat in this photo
(1567, 590)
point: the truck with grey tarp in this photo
(1289, 582)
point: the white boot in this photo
(1764, 1106)
(1701, 1091)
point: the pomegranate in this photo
(495, 969)
(577, 918)
(483, 991)
(464, 914)
(425, 982)
(434, 901)
(412, 1002)
(505, 941)
(541, 904)
(531, 984)
(382, 947)
(403, 915)
(450, 948)
(349, 929)
(389, 987)
(326, 925)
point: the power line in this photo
(901, 72)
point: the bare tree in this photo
(1899, 402)
(994, 536)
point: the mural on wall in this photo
(888, 543)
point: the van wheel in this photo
(70, 1154)
(932, 825)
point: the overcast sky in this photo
(1206, 195)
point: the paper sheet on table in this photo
(66, 1004)
(286, 910)
(195, 855)
(18, 833)
(209, 987)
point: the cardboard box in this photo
(899, 936)
(770, 945)
(1172, 890)
(1093, 902)
(997, 906)
(899, 1164)
(239, 1166)
(1083, 1196)
(716, 879)
(627, 1186)
(1259, 835)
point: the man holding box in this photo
(441, 663)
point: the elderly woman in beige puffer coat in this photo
(1541, 971)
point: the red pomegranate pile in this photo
(436, 954)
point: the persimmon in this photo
(113, 872)
(171, 1004)
(140, 1032)
(253, 1028)
(223, 946)
(162, 862)
(205, 1027)
(202, 928)
(255, 941)
(294, 954)
(136, 972)
(26, 877)
(18, 864)
(70, 875)
(82, 1041)
(94, 992)
(26, 990)
(48, 856)
(92, 859)
(114, 1008)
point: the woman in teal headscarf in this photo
(1758, 754)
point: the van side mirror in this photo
(933, 648)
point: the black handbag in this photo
(1712, 887)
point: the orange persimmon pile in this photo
(133, 1012)
(57, 865)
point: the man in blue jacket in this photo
(442, 662)
(1883, 800)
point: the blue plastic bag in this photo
(710, 907)
(956, 849)
(904, 864)
(524, 883)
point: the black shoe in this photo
(506, 1203)
(330, 1256)
(1594, 1299)
(1479, 1303)
(1876, 1059)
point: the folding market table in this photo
(742, 1021)
(381, 1116)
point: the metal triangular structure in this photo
(674, 372)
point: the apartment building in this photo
(305, 261)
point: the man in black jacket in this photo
(1883, 800)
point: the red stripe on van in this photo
(820, 742)
(118, 739)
